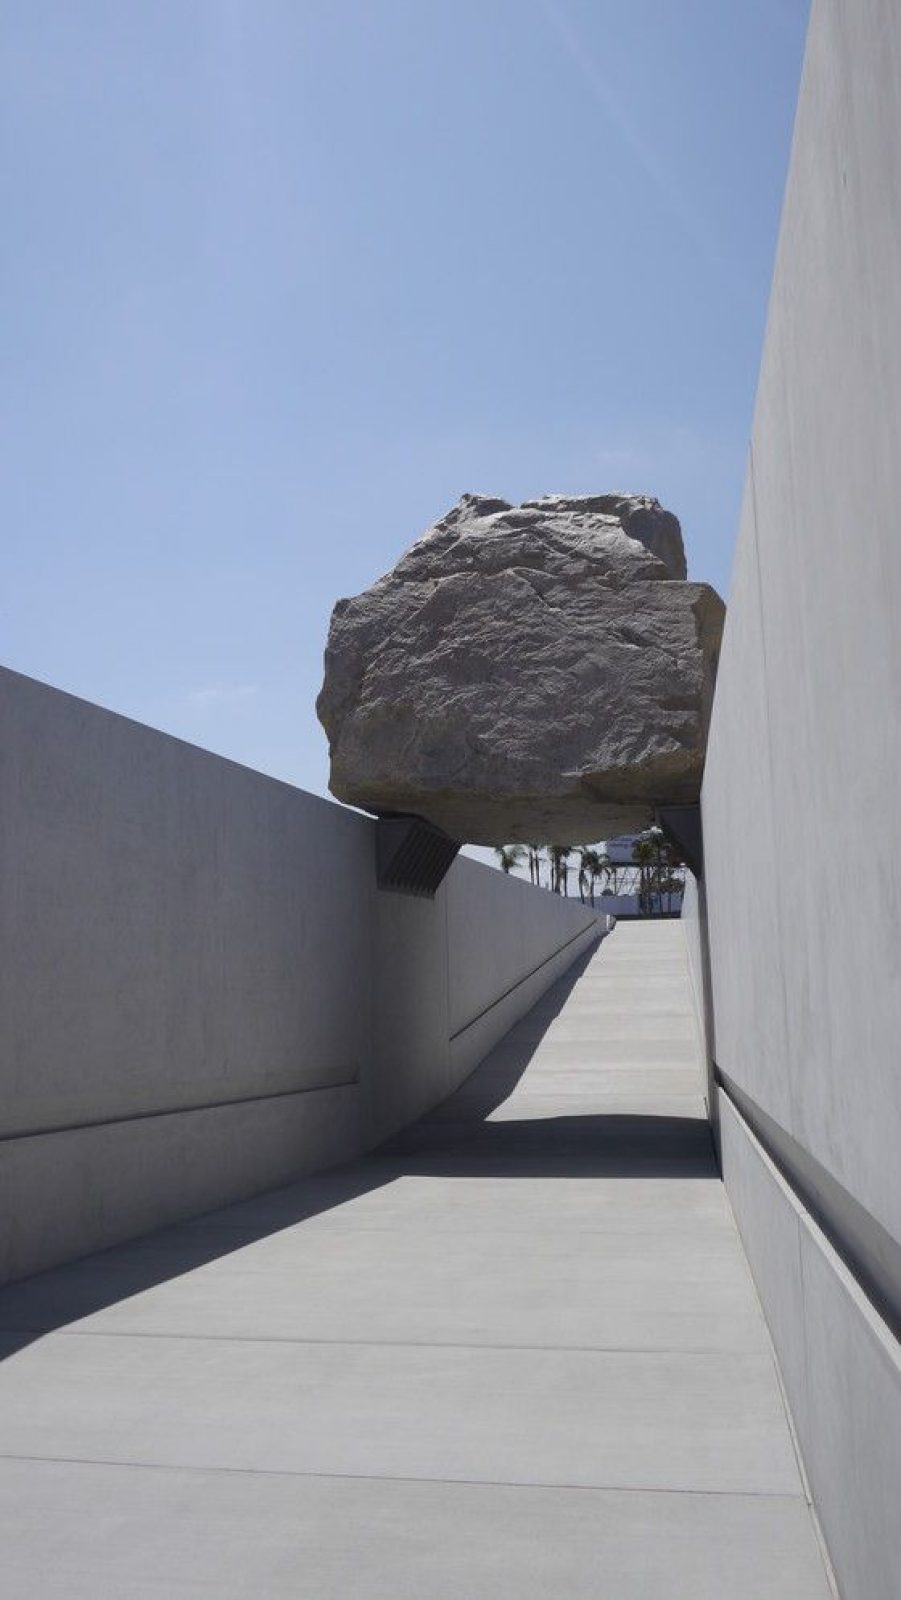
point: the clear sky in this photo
(282, 278)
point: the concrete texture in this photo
(840, 1363)
(202, 991)
(805, 742)
(246, 1535)
(802, 874)
(515, 1352)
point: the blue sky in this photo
(283, 278)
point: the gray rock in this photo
(541, 672)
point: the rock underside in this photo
(541, 672)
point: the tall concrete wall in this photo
(803, 869)
(202, 991)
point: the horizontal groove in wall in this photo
(176, 1111)
(520, 981)
(867, 1249)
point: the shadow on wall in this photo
(454, 1140)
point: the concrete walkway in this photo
(518, 1356)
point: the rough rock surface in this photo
(541, 672)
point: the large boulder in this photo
(541, 672)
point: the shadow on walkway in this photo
(453, 1140)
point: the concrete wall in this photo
(803, 769)
(202, 992)
(694, 926)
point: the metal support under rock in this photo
(412, 855)
(683, 828)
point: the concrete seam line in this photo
(875, 1287)
(176, 1111)
(520, 981)
(819, 1534)
(399, 1477)
(67, 1331)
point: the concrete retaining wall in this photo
(202, 992)
(694, 926)
(803, 870)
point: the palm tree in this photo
(672, 882)
(662, 848)
(607, 871)
(534, 864)
(590, 869)
(674, 871)
(644, 854)
(509, 856)
(559, 854)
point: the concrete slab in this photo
(517, 1353)
(445, 1204)
(607, 1100)
(238, 1536)
(648, 1291)
(613, 1419)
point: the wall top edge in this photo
(13, 681)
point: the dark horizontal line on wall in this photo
(520, 981)
(868, 1250)
(174, 1111)
(646, 916)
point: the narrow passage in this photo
(518, 1354)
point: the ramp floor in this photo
(517, 1355)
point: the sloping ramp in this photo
(517, 1355)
